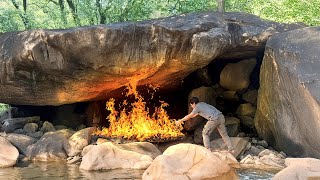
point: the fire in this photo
(138, 124)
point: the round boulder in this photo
(188, 161)
(235, 76)
(111, 156)
(8, 153)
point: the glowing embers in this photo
(136, 123)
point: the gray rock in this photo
(20, 141)
(19, 131)
(239, 145)
(36, 135)
(51, 146)
(31, 127)
(10, 125)
(263, 143)
(288, 101)
(47, 127)
(79, 140)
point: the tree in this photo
(221, 5)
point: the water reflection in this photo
(62, 170)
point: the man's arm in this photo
(186, 118)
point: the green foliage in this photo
(3, 107)
(60, 14)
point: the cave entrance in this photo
(230, 84)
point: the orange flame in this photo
(137, 124)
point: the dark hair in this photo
(194, 100)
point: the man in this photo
(215, 119)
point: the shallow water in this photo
(61, 170)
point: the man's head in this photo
(193, 101)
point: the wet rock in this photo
(251, 96)
(239, 145)
(288, 102)
(79, 140)
(300, 168)
(111, 156)
(20, 141)
(74, 159)
(8, 153)
(232, 125)
(50, 147)
(168, 50)
(188, 161)
(235, 76)
(31, 127)
(204, 94)
(10, 125)
(47, 127)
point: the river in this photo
(61, 170)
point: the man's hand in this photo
(179, 122)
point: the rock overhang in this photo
(55, 67)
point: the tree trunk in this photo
(101, 13)
(74, 12)
(63, 13)
(23, 16)
(221, 5)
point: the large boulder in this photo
(79, 140)
(20, 141)
(188, 161)
(8, 153)
(54, 67)
(50, 147)
(235, 76)
(299, 169)
(10, 125)
(111, 156)
(204, 94)
(288, 112)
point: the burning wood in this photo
(137, 124)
